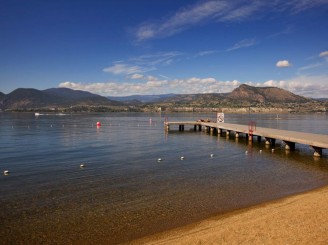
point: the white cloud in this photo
(323, 54)
(137, 76)
(152, 78)
(154, 85)
(309, 86)
(283, 63)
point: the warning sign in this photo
(220, 117)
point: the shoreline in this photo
(296, 219)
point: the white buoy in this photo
(260, 151)
(6, 172)
(212, 155)
(159, 159)
(182, 158)
(82, 165)
(246, 152)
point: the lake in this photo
(123, 192)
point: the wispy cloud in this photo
(123, 69)
(240, 12)
(142, 64)
(217, 11)
(297, 6)
(206, 52)
(243, 44)
(311, 66)
(157, 59)
(181, 20)
(321, 60)
(286, 31)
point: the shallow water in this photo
(123, 192)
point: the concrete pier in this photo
(317, 142)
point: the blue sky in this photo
(126, 47)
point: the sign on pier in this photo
(220, 117)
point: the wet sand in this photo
(299, 219)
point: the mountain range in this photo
(29, 98)
(68, 99)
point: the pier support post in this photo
(273, 142)
(181, 127)
(317, 151)
(195, 127)
(237, 135)
(199, 127)
(290, 146)
(219, 131)
(227, 133)
(259, 139)
(270, 141)
(211, 130)
(167, 127)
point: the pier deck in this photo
(316, 141)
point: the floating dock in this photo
(317, 142)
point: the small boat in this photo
(37, 114)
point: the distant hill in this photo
(243, 94)
(77, 96)
(28, 98)
(141, 98)
(321, 99)
(265, 94)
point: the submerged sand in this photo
(299, 219)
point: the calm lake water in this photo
(123, 192)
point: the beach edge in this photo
(299, 218)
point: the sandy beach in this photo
(299, 219)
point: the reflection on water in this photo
(123, 192)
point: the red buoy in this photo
(98, 124)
